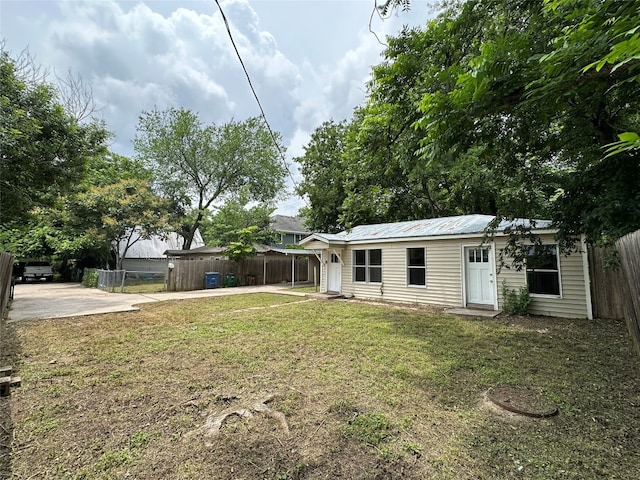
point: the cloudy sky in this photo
(309, 60)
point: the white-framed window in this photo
(543, 270)
(417, 266)
(367, 266)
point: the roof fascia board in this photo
(434, 237)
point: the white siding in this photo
(572, 303)
(444, 277)
(444, 273)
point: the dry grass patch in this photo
(367, 392)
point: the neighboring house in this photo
(148, 255)
(444, 261)
(289, 230)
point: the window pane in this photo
(375, 257)
(359, 257)
(485, 255)
(375, 274)
(542, 260)
(360, 274)
(417, 276)
(544, 283)
(472, 256)
(416, 257)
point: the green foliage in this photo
(198, 165)
(515, 302)
(44, 149)
(498, 107)
(90, 278)
(323, 169)
(235, 215)
(244, 245)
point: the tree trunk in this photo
(188, 239)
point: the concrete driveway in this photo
(56, 300)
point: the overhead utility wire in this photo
(264, 116)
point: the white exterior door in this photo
(333, 273)
(479, 283)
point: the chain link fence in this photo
(130, 281)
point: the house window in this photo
(416, 266)
(367, 266)
(543, 272)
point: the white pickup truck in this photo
(37, 271)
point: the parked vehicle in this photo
(37, 271)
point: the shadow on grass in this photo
(9, 351)
(587, 368)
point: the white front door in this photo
(333, 273)
(479, 276)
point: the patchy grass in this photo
(149, 287)
(367, 392)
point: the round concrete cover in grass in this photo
(522, 401)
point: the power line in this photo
(255, 95)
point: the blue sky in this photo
(309, 60)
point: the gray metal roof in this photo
(433, 227)
(285, 224)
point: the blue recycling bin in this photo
(212, 279)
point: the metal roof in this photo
(294, 251)
(157, 245)
(461, 225)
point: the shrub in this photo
(90, 278)
(515, 302)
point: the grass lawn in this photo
(266, 386)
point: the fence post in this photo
(629, 249)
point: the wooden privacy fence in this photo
(629, 249)
(189, 274)
(607, 285)
(6, 274)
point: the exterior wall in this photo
(443, 274)
(573, 300)
(284, 239)
(145, 264)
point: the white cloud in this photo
(308, 61)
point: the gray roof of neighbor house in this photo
(432, 227)
(285, 224)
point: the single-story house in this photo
(448, 261)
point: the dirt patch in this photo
(522, 401)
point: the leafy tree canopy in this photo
(231, 221)
(200, 165)
(516, 108)
(43, 148)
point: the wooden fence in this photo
(629, 249)
(607, 285)
(189, 274)
(6, 274)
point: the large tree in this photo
(236, 216)
(43, 148)
(200, 165)
(323, 169)
(505, 107)
(543, 119)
